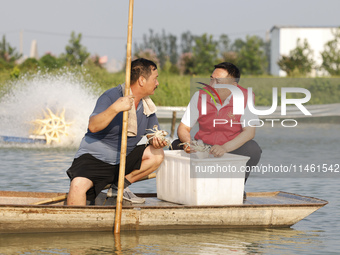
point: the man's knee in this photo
(254, 152)
(156, 155)
(175, 145)
(254, 148)
(250, 149)
(80, 185)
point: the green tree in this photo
(147, 54)
(173, 52)
(30, 64)
(331, 55)
(230, 56)
(225, 50)
(299, 61)
(163, 45)
(205, 53)
(186, 64)
(250, 55)
(5, 65)
(224, 44)
(267, 52)
(8, 53)
(187, 42)
(50, 62)
(76, 53)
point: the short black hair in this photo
(232, 70)
(141, 67)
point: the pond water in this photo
(42, 168)
(35, 167)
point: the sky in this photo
(103, 23)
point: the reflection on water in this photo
(270, 241)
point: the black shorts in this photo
(101, 173)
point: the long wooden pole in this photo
(50, 200)
(119, 203)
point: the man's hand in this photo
(217, 150)
(157, 143)
(102, 120)
(187, 148)
(124, 103)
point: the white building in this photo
(284, 38)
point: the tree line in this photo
(188, 55)
(75, 55)
(195, 55)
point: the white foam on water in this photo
(30, 96)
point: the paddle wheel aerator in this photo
(52, 127)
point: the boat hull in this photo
(157, 214)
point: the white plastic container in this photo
(187, 180)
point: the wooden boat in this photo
(260, 209)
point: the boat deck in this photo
(276, 198)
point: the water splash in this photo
(29, 96)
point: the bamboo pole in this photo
(119, 204)
(50, 200)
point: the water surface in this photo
(41, 168)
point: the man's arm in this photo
(183, 133)
(246, 135)
(101, 120)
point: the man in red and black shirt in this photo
(236, 133)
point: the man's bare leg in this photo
(78, 188)
(151, 160)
